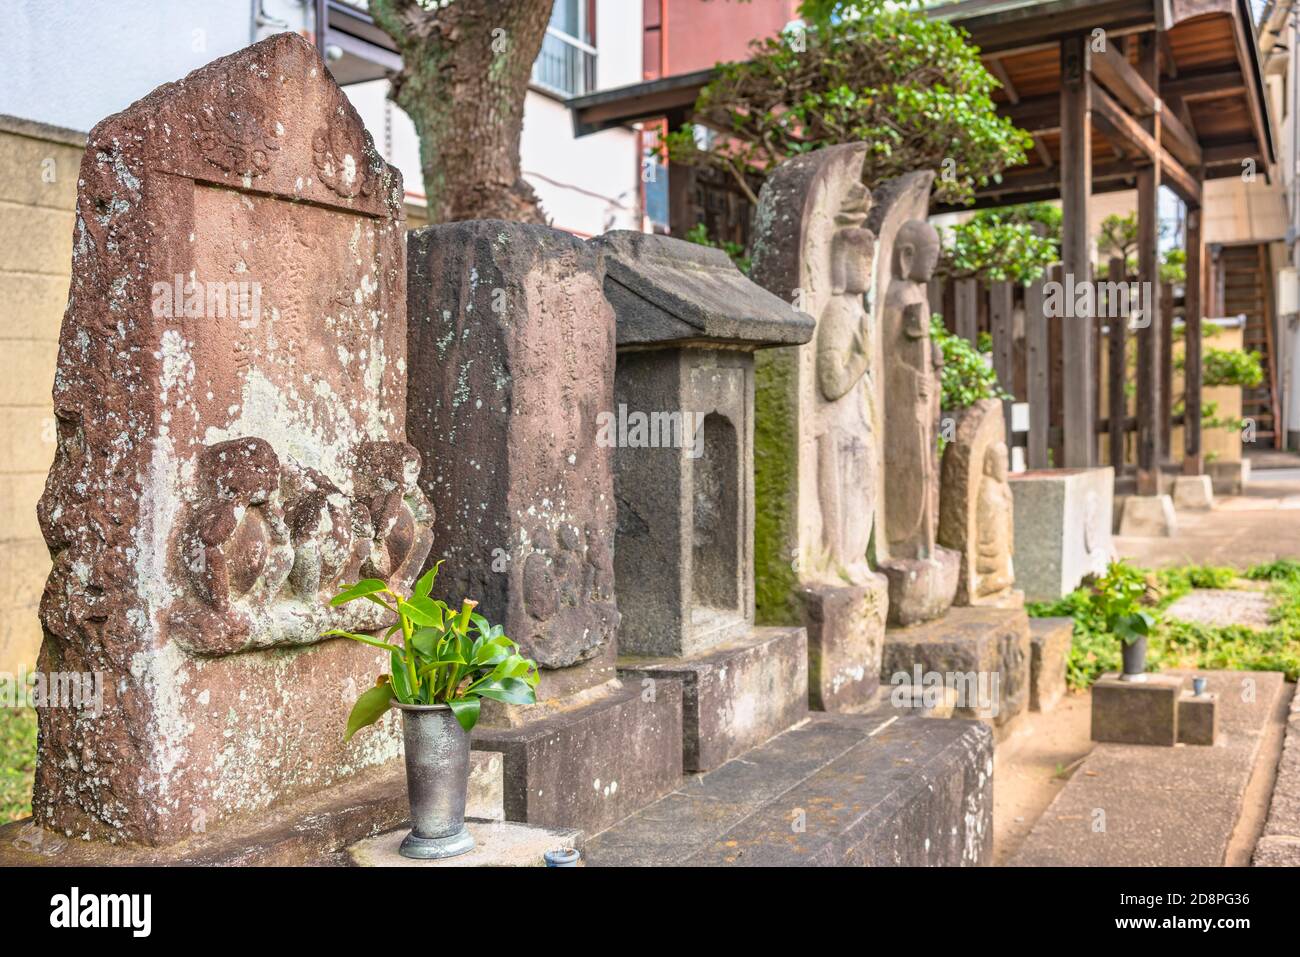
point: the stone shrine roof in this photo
(668, 291)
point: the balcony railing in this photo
(566, 65)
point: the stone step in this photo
(865, 789)
(734, 696)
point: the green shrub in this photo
(1233, 367)
(967, 377)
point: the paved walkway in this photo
(1134, 805)
(1260, 525)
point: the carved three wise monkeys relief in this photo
(265, 544)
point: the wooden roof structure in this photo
(1117, 94)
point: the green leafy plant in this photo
(967, 375)
(870, 71)
(1117, 597)
(455, 658)
(1017, 243)
(1118, 239)
(1233, 367)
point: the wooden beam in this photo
(1206, 84)
(1178, 139)
(1193, 456)
(1149, 383)
(1077, 92)
(1036, 114)
(996, 67)
(966, 306)
(1114, 122)
(1043, 153)
(1112, 69)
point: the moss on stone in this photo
(776, 463)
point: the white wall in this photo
(73, 62)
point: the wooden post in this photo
(1193, 374)
(1117, 371)
(1149, 404)
(1056, 358)
(966, 309)
(1080, 438)
(1166, 371)
(1038, 362)
(1002, 329)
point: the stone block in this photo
(846, 634)
(734, 696)
(1198, 718)
(936, 701)
(41, 164)
(29, 370)
(19, 494)
(1063, 528)
(982, 652)
(589, 764)
(496, 844)
(1148, 516)
(1229, 478)
(27, 437)
(46, 238)
(1195, 492)
(1136, 712)
(921, 589)
(1050, 640)
(837, 790)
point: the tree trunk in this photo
(464, 76)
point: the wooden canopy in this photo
(1117, 94)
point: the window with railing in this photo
(567, 62)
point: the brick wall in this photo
(38, 190)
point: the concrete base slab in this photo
(1198, 718)
(855, 790)
(1229, 478)
(1193, 492)
(592, 766)
(1130, 806)
(1049, 642)
(1148, 516)
(982, 652)
(734, 697)
(1136, 712)
(1219, 607)
(932, 702)
(496, 844)
(921, 589)
(846, 631)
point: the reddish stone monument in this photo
(231, 403)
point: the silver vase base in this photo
(437, 848)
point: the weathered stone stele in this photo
(230, 398)
(688, 325)
(976, 517)
(512, 356)
(818, 434)
(511, 345)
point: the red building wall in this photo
(682, 36)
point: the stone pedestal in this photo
(1148, 516)
(921, 589)
(846, 633)
(983, 653)
(688, 323)
(1050, 640)
(496, 844)
(1229, 478)
(1136, 712)
(1193, 492)
(734, 696)
(1198, 718)
(1063, 528)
